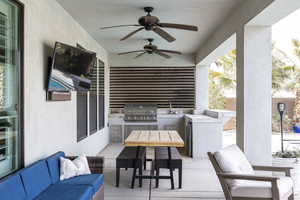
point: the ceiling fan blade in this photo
(169, 51)
(128, 52)
(164, 34)
(107, 27)
(132, 33)
(179, 26)
(162, 54)
(139, 55)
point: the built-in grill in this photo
(140, 113)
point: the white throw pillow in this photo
(77, 167)
(82, 165)
(232, 160)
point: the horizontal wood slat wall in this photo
(155, 85)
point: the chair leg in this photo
(145, 162)
(180, 176)
(117, 176)
(157, 178)
(140, 175)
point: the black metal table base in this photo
(157, 176)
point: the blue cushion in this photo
(67, 192)
(35, 178)
(12, 188)
(53, 163)
(94, 180)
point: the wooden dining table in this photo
(154, 138)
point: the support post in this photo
(201, 88)
(254, 99)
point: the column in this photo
(201, 88)
(254, 99)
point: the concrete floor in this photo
(199, 180)
(229, 137)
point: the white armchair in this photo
(239, 182)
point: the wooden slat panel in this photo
(157, 85)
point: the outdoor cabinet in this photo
(203, 134)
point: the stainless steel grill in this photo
(140, 113)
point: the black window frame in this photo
(101, 107)
(21, 113)
(84, 119)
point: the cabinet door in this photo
(172, 124)
(10, 90)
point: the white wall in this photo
(51, 126)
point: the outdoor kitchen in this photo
(200, 132)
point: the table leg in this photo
(170, 167)
(135, 166)
(151, 176)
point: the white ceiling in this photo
(206, 14)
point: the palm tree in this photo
(224, 77)
(295, 85)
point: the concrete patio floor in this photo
(229, 137)
(199, 180)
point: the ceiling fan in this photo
(152, 23)
(152, 49)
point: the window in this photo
(11, 79)
(101, 84)
(81, 115)
(153, 85)
(95, 105)
(93, 100)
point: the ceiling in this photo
(93, 14)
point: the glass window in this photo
(10, 80)
(93, 100)
(81, 115)
(101, 105)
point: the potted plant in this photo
(287, 157)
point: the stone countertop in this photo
(203, 118)
(121, 115)
(195, 118)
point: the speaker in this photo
(58, 96)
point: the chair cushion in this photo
(259, 189)
(232, 160)
(53, 164)
(35, 178)
(12, 188)
(93, 180)
(66, 192)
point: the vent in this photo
(152, 85)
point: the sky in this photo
(286, 30)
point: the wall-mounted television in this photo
(70, 68)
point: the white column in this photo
(254, 100)
(201, 88)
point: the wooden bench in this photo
(162, 161)
(126, 159)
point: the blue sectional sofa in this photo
(40, 181)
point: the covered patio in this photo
(122, 74)
(199, 180)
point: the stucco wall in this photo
(51, 126)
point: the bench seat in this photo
(126, 159)
(162, 161)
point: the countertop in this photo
(121, 115)
(194, 118)
(202, 118)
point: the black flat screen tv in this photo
(70, 68)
